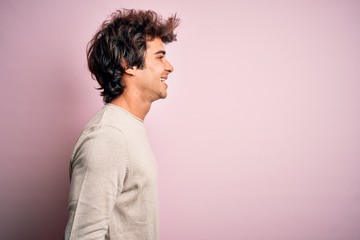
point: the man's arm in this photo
(98, 171)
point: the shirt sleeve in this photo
(98, 169)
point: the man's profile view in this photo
(113, 190)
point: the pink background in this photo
(259, 138)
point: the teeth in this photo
(162, 79)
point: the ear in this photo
(130, 70)
(127, 69)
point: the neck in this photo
(133, 104)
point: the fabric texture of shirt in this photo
(113, 180)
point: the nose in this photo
(169, 67)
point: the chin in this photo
(159, 97)
(163, 95)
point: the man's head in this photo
(121, 43)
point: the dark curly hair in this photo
(120, 43)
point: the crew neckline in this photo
(125, 111)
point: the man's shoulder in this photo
(100, 131)
(111, 116)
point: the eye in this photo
(161, 57)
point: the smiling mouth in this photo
(163, 80)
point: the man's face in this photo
(151, 79)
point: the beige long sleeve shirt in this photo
(113, 190)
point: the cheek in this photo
(158, 70)
(161, 68)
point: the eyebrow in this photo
(160, 52)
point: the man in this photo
(113, 192)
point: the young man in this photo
(113, 191)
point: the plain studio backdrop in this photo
(259, 138)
